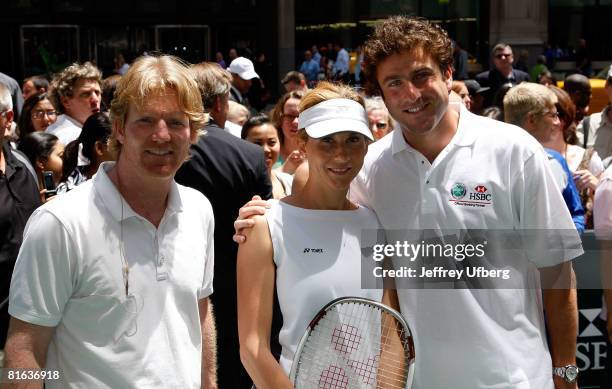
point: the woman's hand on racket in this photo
(256, 206)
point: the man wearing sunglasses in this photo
(532, 107)
(501, 73)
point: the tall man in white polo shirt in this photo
(465, 339)
(76, 94)
(111, 285)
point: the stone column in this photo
(523, 24)
(286, 38)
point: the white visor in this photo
(335, 115)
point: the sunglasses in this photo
(381, 125)
(552, 114)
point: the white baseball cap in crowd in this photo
(335, 115)
(243, 67)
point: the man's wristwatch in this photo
(569, 373)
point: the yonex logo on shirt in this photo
(318, 251)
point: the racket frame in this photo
(410, 353)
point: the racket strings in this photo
(315, 347)
(353, 339)
(371, 327)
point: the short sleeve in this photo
(550, 236)
(209, 262)
(42, 281)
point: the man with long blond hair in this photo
(108, 290)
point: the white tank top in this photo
(318, 259)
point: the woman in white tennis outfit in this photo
(309, 243)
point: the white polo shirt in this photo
(466, 338)
(65, 128)
(69, 275)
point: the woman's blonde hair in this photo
(154, 76)
(323, 92)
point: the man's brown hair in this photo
(398, 34)
(213, 81)
(63, 83)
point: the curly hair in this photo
(398, 34)
(63, 83)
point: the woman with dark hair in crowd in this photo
(585, 164)
(284, 117)
(93, 146)
(37, 114)
(260, 130)
(566, 144)
(45, 153)
(33, 85)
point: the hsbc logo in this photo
(480, 194)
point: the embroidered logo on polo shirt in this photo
(458, 191)
(477, 197)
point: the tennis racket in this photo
(355, 343)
